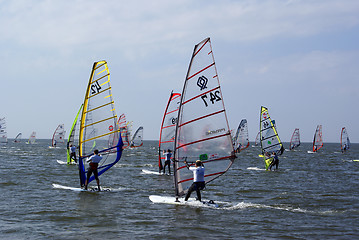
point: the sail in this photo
(269, 139)
(241, 139)
(137, 140)
(318, 140)
(122, 123)
(202, 130)
(257, 140)
(98, 125)
(32, 138)
(74, 135)
(18, 138)
(3, 133)
(344, 140)
(58, 136)
(295, 140)
(168, 127)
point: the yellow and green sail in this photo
(73, 136)
(269, 139)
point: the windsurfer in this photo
(275, 161)
(73, 153)
(198, 179)
(168, 156)
(93, 162)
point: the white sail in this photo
(344, 140)
(202, 130)
(295, 140)
(3, 133)
(59, 135)
(32, 138)
(168, 127)
(241, 139)
(318, 139)
(137, 140)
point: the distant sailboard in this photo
(318, 139)
(32, 138)
(58, 136)
(18, 138)
(295, 140)
(241, 139)
(137, 139)
(3, 133)
(344, 140)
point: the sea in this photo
(311, 196)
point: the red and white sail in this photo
(318, 139)
(295, 140)
(168, 127)
(202, 130)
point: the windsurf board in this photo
(191, 201)
(90, 189)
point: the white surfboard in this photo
(90, 189)
(63, 162)
(144, 171)
(191, 201)
(255, 168)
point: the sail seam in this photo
(196, 119)
(200, 71)
(201, 140)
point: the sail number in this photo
(95, 88)
(213, 97)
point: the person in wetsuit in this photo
(93, 162)
(73, 153)
(198, 179)
(274, 162)
(168, 156)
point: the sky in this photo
(297, 58)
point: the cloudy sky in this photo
(298, 58)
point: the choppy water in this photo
(312, 196)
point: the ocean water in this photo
(312, 196)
